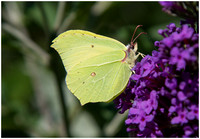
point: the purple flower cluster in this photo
(162, 95)
(186, 10)
(171, 7)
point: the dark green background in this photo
(35, 99)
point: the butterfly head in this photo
(132, 49)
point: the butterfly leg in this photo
(133, 72)
(140, 54)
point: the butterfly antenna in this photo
(137, 37)
(135, 32)
(133, 43)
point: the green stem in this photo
(60, 74)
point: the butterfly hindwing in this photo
(98, 82)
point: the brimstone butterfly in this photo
(98, 67)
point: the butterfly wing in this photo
(95, 71)
(75, 46)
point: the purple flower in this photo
(181, 118)
(185, 10)
(169, 42)
(171, 27)
(188, 131)
(185, 34)
(171, 110)
(181, 96)
(152, 102)
(142, 119)
(156, 43)
(177, 57)
(171, 83)
(172, 7)
(145, 69)
(182, 85)
(166, 4)
(138, 115)
(194, 113)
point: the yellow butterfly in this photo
(98, 67)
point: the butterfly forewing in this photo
(75, 46)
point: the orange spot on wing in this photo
(93, 74)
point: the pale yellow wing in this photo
(75, 46)
(95, 71)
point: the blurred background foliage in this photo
(35, 99)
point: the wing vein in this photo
(103, 78)
(114, 79)
(92, 58)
